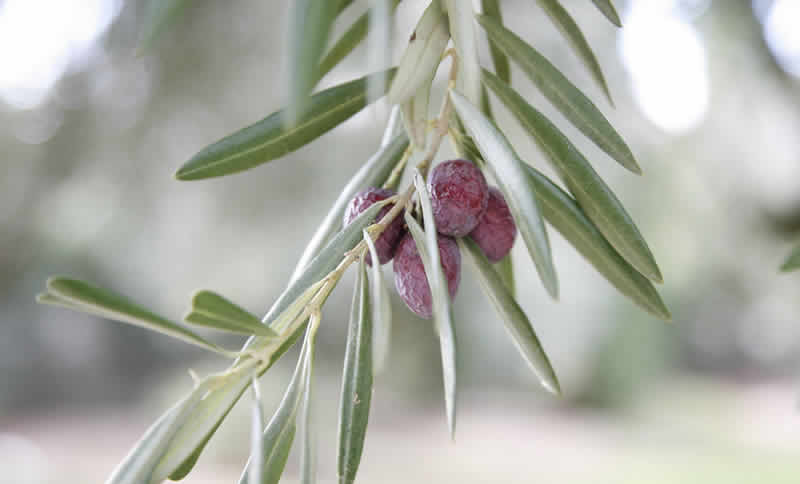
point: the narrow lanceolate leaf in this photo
(138, 465)
(372, 174)
(566, 24)
(269, 138)
(310, 22)
(510, 174)
(607, 8)
(792, 262)
(491, 8)
(505, 269)
(593, 195)
(428, 246)
(279, 433)
(564, 214)
(308, 456)
(211, 310)
(567, 98)
(356, 381)
(381, 311)
(379, 44)
(158, 16)
(415, 114)
(516, 322)
(462, 28)
(257, 425)
(423, 54)
(348, 41)
(81, 296)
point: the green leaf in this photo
(348, 41)
(564, 214)
(81, 296)
(566, 24)
(381, 311)
(593, 195)
(517, 323)
(371, 174)
(379, 45)
(607, 8)
(257, 469)
(308, 457)
(415, 114)
(505, 270)
(462, 19)
(491, 8)
(138, 466)
(428, 246)
(269, 138)
(422, 56)
(310, 23)
(356, 380)
(792, 262)
(158, 16)
(279, 433)
(211, 310)
(567, 98)
(509, 171)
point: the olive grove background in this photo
(708, 98)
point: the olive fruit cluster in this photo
(463, 205)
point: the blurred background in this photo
(708, 97)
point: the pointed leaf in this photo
(462, 28)
(428, 246)
(491, 8)
(269, 138)
(505, 269)
(356, 381)
(211, 310)
(279, 433)
(566, 216)
(567, 98)
(422, 56)
(138, 465)
(792, 262)
(517, 323)
(311, 22)
(509, 172)
(381, 311)
(84, 297)
(594, 196)
(566, 24)
(372, 174)
(607, 8)
(158, 16)
(257, 470)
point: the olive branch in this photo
(588, 215)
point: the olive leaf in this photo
(509, 171)
(348, 41)
(423, 54)
(269, 138)
(379, 45)
(566, 24)
(607, 9)
(564, 214)
(371, 174)
(515, 320)
(310, 23)
(415, 113)
(138, 466)
(491, 8)
(428, 247)
(308, 457)
(462, 19)
(567, 98)
(211, 310)
(82, 296)
(257, 424)
(356, 392)
(381, 311)
(594, 196)
(505, 269)
(792, 262)
(279, 434)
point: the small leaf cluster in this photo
(587, 213)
